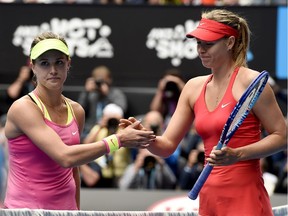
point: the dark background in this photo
(136, 69)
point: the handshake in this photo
(133, 134)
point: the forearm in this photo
(265, 147)
(162, 147)
(77, 155)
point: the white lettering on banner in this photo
(172, 43)
(87, 38)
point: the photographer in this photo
(192, 169)
(105, 171)
(21, 86)
(167, 94)
(147, 172)
(97, 94)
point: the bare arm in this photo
(180, 122)
(29, 121)
(272, 120)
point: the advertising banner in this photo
(138, 43)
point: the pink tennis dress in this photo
(238, 189)
(36, 181)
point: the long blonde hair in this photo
(241, 46)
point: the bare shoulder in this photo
(195, 84)
(22, 115)
(23, 105)
(246, 76)
(193, 88)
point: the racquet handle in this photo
(200, 182)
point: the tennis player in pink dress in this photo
(43, 131)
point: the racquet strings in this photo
(245, 108)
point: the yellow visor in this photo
(48, 44)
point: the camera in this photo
(171, 90)
(149, 163)
(112, 125)
(155, 128)
(99, 82)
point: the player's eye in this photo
(205, 44)
(44, 63)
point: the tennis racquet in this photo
(237, 116)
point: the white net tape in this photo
(278, 211)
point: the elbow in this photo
(284, 139)
(167, 154)
(67, 164)
(164, 153)
(284, 143)
(65, 161)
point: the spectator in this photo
(167, 94)
(99, 92)
(148, 171)
(191, 142)
(193, 168)
(21, 86)
(106, 170)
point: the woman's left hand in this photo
(223, 157)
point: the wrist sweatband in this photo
(112, 143)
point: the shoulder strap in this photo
(70, 112)
(40, 104)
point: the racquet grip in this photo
(200, 182)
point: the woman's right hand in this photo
(126, 122)
(134, 135)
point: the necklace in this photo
(217, 100)
(221, 92)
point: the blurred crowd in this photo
(105, 104)
(157, 2)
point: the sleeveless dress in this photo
(35, 181)
(238, 189)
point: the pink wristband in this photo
(107, 146)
